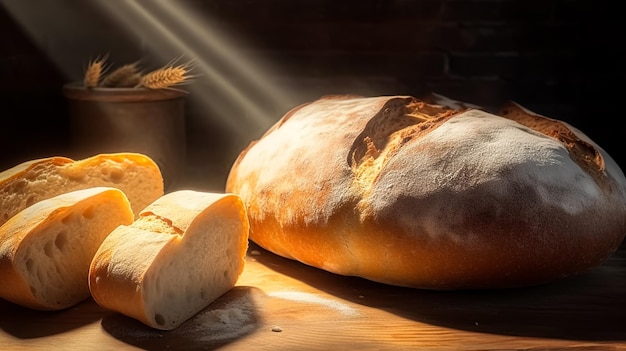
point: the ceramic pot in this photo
(152, 122)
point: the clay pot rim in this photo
(77, 91)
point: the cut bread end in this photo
(47, 262)
(185, 250)
(135, 174)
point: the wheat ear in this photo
(165, 77)
(123, 76)
(94, 72)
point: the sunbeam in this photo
(145, 22)
(217, 44)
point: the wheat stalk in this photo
(129, 76)
(124, 76)
(166, 77)
(94, 72)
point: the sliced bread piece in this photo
(137, 175)
(46, 249)
(183, 251)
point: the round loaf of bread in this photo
(399, 191)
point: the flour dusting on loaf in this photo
(403, 192)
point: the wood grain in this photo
(280, 304)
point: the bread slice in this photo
(135, 174)
(46, 249)
(184, 251)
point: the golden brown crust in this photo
(407, 193)
(118, 268)
(22, 168)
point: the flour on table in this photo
(317, 300)
(231, 320)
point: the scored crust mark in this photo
(397, 122)
(587, 156)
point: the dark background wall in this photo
(560, 58)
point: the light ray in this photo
(161, 39)
(202, 30)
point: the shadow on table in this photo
(25, 323)
(591, 306)
(227, 319)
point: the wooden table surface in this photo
(280, 304)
